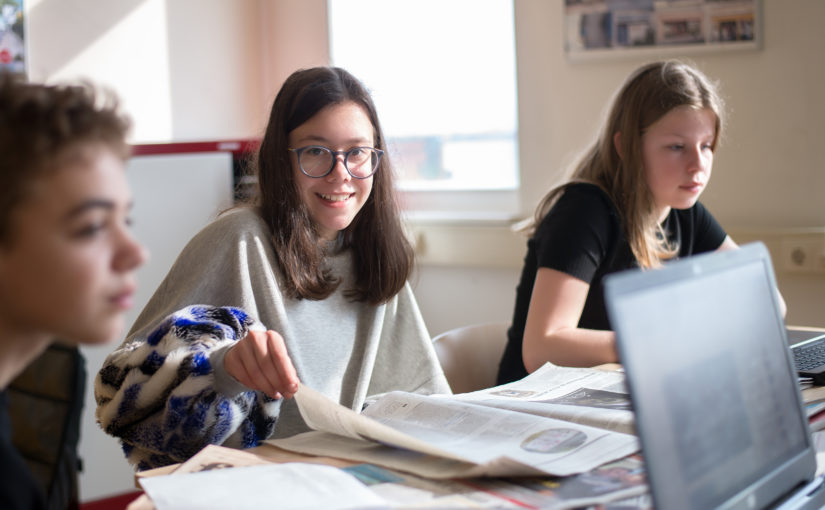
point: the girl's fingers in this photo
(261, 362)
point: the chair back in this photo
(470, 355)
(45, 403)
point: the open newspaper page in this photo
(588, 396)
(476, 440)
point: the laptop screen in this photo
(718, 410)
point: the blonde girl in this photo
(632, 202)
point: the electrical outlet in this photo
(803, 254)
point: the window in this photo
(443, 76)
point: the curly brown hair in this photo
(41, 124)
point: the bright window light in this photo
(443, 76)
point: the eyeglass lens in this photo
(318, 161)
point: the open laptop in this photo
(808, 348)
(718, 409)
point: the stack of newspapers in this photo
(559, 438)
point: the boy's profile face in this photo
(67, 267)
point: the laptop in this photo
(718, 410)
(808, 349)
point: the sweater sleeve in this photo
(164, 392)
(159, 395)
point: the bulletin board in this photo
(609, 28)
(12, 36)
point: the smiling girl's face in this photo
(67, 266)
(677, 153)
(334, 200)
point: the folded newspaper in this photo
(496, 432)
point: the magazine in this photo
(458, 436)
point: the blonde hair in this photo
(647, 95)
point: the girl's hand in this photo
(260, 362)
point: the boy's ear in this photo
(617, 142)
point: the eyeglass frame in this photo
(335, 155)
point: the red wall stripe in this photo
(236, 147)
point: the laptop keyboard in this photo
(809, 356)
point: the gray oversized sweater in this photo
(164, 391)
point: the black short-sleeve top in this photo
(582, 236)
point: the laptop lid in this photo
(808, 352)
(718, 410)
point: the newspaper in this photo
(588, 396)
(811, 393)
(610, 482)
(290, 486)
(448, 438)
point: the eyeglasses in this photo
(317, 161)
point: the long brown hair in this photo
(647, 95)
(382, 253)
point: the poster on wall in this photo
(12, 36)
(600, 28)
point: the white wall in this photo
(185, 69)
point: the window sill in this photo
(475, 240)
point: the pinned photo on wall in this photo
(604, 28)
(12, 37)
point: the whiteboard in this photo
(174, 197)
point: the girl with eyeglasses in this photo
(632, 202)
(308, 283)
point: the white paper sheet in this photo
(293, 486)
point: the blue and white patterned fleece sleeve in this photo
(158, 394)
